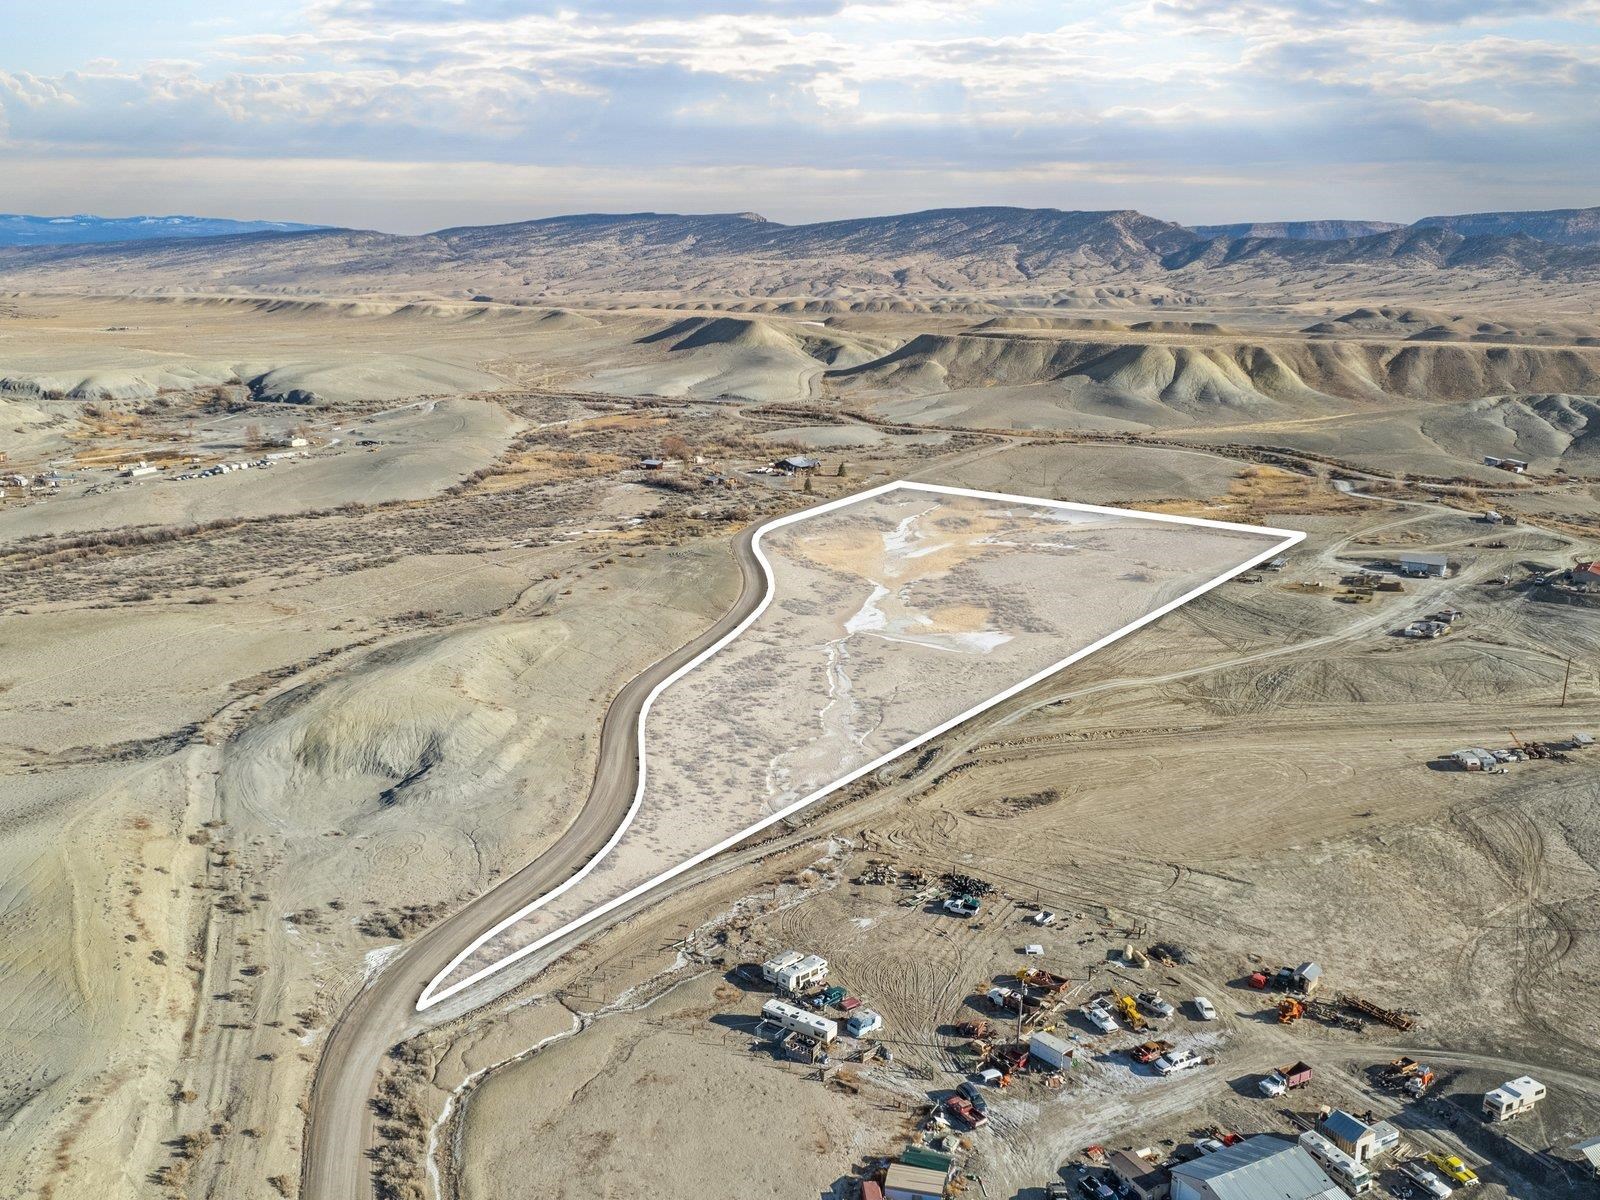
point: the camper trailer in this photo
(1512, 1099)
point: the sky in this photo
(409, 115)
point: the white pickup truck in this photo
(1178, 1060)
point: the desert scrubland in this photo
(264, 728)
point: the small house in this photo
(863, 1022)
(796, 463)
(1515, 465)
(1253, 1169)
(1385, 1137)
(1435, 566)
(1353, 1136)
(1307, 978)
(1586, 574)
(1141, 1180)
(652, 464)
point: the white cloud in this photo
(882, 89)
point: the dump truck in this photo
(1004, 997)
(1285, 1079)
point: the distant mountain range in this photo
(17, 229)
(1106, 256)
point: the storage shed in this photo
(1048, 1048)
(1436, 566)
(863, 1022)
(905, 1182)
(1355, 1137)
(1141, 1179)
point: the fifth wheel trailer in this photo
(798, 1020)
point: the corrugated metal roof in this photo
(1260, 1168)
(1343, 1127)
(918, 1180)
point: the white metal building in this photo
(862, 1022)
(1434, 565)
(1048, 1048)
(1258, 1168)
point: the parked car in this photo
(1153, 1004)
(1204, 1009)
(1208, 1145)
(1043, 917)
(1094, 1188)
(1453, 1169)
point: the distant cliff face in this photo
(1299, 231)
(1096, 257)
(1563, 226)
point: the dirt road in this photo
(339, 1122)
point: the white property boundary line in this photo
(431, 994)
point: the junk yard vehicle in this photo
(1453, 1169)
(1128, 1010)
(962, 906)
(1153, 1004)
(1409, 1076)
(1100, 1018)
(961, 1108)
(1284, 1079)
(1429, 1183)
(1148, 1052)
(1512, 1099)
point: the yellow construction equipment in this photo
(1128, 1008)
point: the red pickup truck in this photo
(961, 1108)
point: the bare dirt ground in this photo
(258, 728)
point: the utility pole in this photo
(1564, 680)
